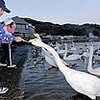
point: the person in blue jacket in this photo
(7, 38)
(3, 9)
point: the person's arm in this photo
(19, 39)
(2, 31)
(7, 38)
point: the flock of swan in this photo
(48, 56)
(81, 82)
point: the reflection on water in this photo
(37, 80)
(42, 82)
(11, 76)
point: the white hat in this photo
(8, 21)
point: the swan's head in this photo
(37, 36)
(36, 42)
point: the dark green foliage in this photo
(65, 29)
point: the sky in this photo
(56, 11)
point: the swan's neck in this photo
(65, 54)
(61, 66)
(90, 60)
(38, 36)
(52, 51)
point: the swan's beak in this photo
(31, 40)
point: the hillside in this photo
(65, 29)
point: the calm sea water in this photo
(37, 80)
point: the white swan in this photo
(75, 56)
(95, 71)
(62, 51)
(59, 50)
(50, 59)
(73, 48)
(86, 53)
(72, 56)
(48, 56)
(82, 82)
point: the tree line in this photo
(65, 29)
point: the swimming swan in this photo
(70, 57)
(82, 82)
(95, 71)
(48, 56)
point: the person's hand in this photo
(19, 39)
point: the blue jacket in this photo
(5, 38)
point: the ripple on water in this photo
(38, 81)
